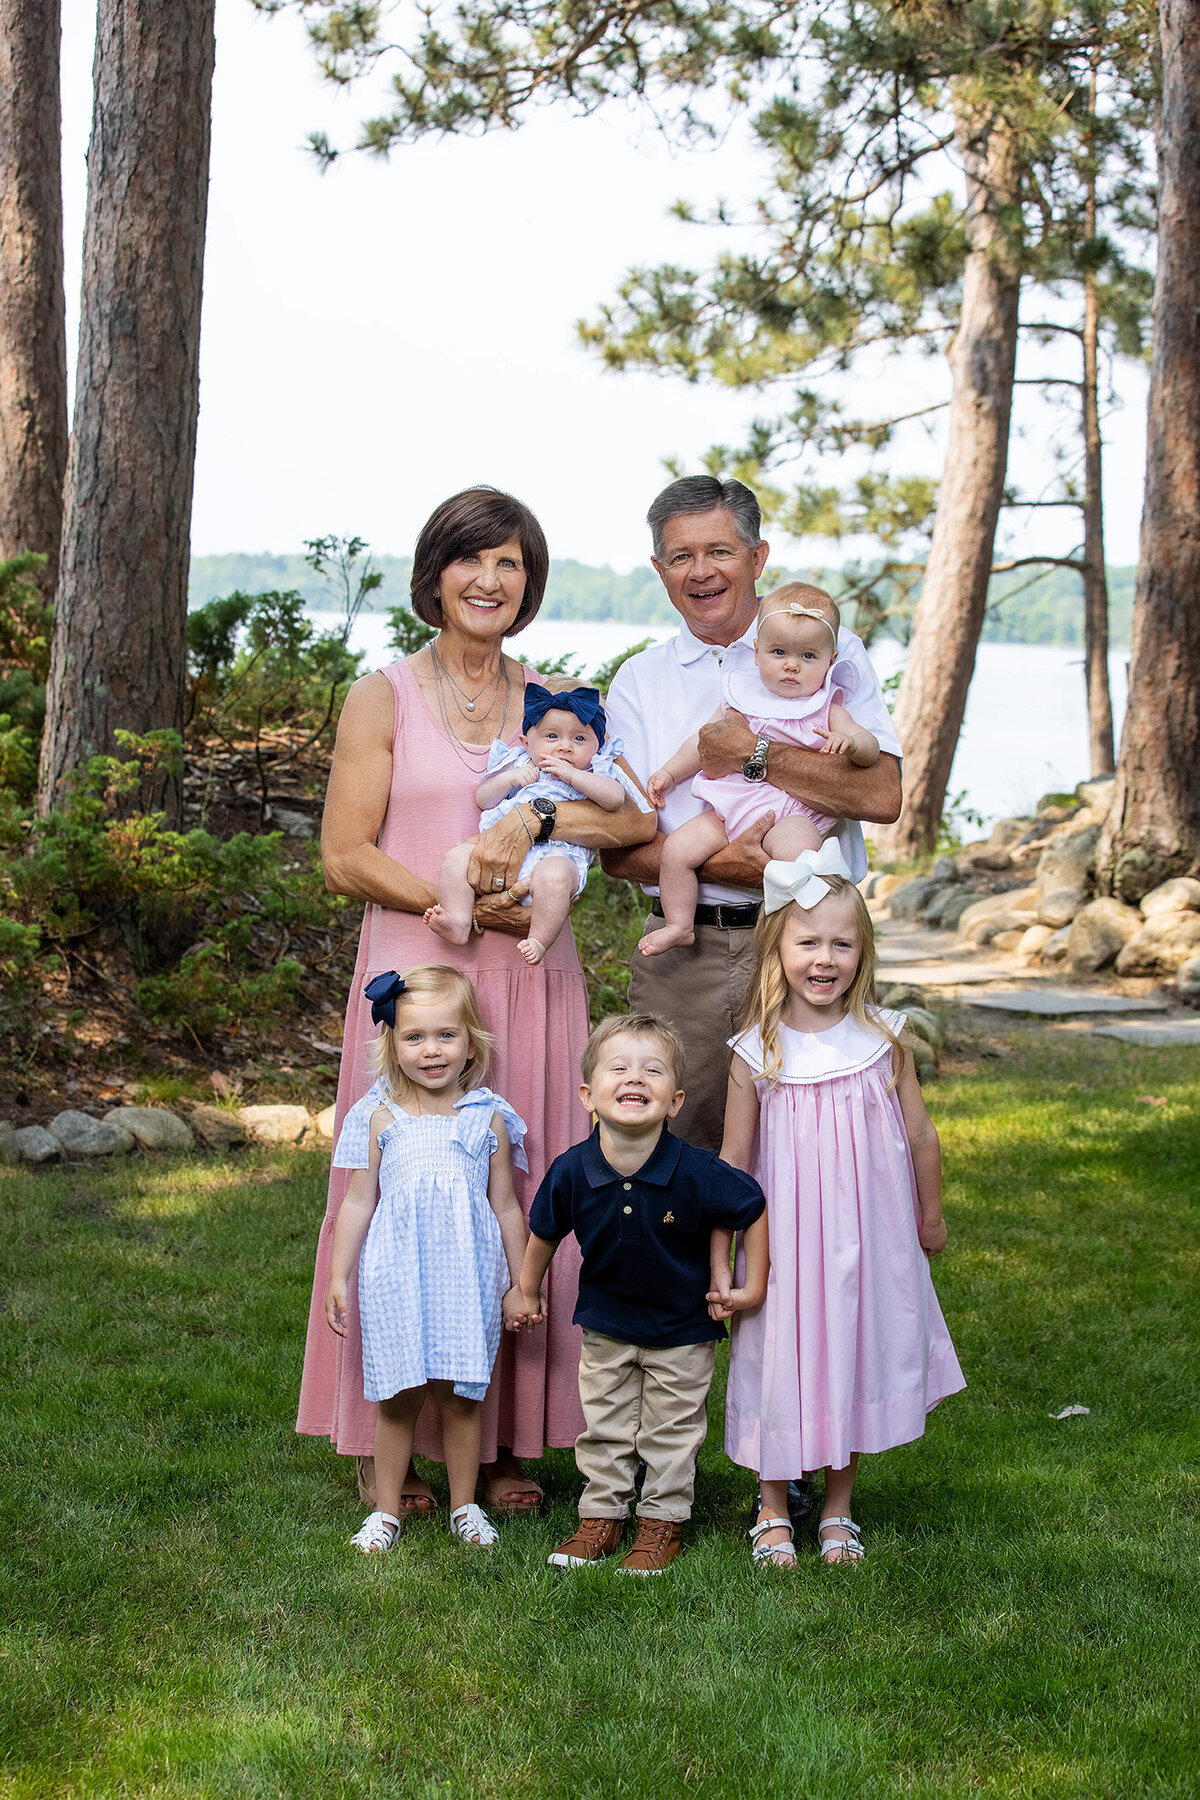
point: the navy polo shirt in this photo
(645, 1237)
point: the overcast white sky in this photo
(379, 336)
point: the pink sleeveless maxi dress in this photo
(539, 1018)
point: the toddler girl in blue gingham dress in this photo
(431, 1218)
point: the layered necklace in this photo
(468, 706)
(442, 677)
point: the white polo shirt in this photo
(662, 695)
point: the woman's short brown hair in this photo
(479, 518)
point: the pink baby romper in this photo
(738, 802)
(849, 1351)
(539, 1018)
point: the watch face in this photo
(542, 805)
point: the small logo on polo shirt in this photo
(668, 1218)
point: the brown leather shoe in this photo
(658, 1542)
(594, 1540)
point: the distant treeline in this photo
(1044, 609)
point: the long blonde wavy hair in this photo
(435, 978)
(769, 991)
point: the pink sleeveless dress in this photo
(540, 1020)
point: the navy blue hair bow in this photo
(382, 992)
(584, 702)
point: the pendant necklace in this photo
(465, 703)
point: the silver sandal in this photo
(471, 1525)
(378, 1531)
(778, 1556)
(840, 1550)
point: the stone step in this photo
(1058, 1002)
(1162, 1033)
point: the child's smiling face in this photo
(633, 1085)
(431, 1041)
(820, 951)
(560, 736)
(793, 654)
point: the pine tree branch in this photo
(1027, 562)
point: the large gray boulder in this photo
(925, 1025)
(1162, 945)
(81, 1135)
(1068, 860)
(1097, 794)
(1098, 932)
(10, 1150)
(276, 1124)
(153, 1127)
(36, 1145)
(944, 869)
(1177, 896)
(908, 900)
(1059, 906)
(326, 1119)
(1055, 948)
(1033, 942)
(1014, 911)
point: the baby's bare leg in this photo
(451, 917)
(786, 840)
(552, 884)
(678, 886)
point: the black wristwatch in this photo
(549, 812)
(755, 766)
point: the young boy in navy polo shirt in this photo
(643, 1206)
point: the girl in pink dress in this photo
(795, 697)
(412, 748)
(849, 1351)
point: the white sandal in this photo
(378, 1531)
(840, 1550)
(471, 1525)
(779, 1556)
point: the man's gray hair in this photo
(699, 494)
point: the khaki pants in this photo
(647, 1403)
(701, 990)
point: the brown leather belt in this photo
(729, 916)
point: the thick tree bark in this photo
(119, 641)
(949, 614)
(1154, 828)
(33, 344)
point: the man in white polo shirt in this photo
(709, 552)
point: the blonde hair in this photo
(769, 991)
(434, 978)
(638, 1025)
(802, 593)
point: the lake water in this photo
(1025, 732)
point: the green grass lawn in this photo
(180, 1613)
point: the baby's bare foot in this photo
(669, 938)
(531, 950)
(449, 929)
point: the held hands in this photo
(522, 1311)
(335, 1306)
(932, 1236)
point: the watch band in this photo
(755, 766)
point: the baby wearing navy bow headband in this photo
(561, 755)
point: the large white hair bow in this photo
(801, 881)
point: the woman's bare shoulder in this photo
(369, 704)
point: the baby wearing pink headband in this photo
(795, 696)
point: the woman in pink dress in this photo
(412, 747)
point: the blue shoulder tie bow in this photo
(382, 991)
(584, 702)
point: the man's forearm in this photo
(730, 867)
(835, 785)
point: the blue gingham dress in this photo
(550, 787)
(432, 1273)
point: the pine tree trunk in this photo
(119, 642)
(949, 614)
(1154, 829)
(1095, 579)
(1101, 759)
(33, 345)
